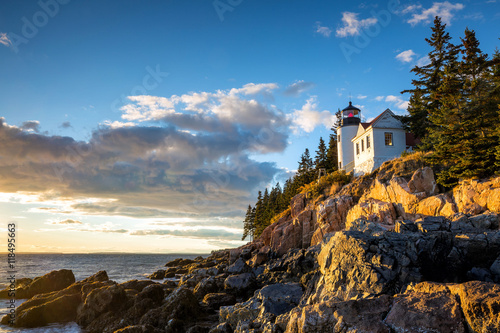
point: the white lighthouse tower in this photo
(351, 117)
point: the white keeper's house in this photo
(363, 147)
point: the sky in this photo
(149, 126)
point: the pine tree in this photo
(321, 156)
(464, 133)
(305, 171)
(248, 224)
(426, 99)
(332, 155)
(259, 214)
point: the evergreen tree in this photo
(321, 155)
(464, 134)
(305, 172)
(248, 224)
(259, 214)
(332, 155)
(426, 98)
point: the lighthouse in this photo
(351, 118)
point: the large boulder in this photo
(363, 316)
(480, 303)
(57, 306)
(264, 306)
(425, 312)
(56, 310)
(53, 281)
(476, 196)
(181, 305)
(100, 301)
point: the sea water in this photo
(120, 267)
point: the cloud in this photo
(442, 9)
(423, 61)
(173, 161)
(379, 98)
(203, 233)
(398, 101)
(352, 26)
(297, 88)
(323, 30)
(67, 221)
(31, 125)
(4, 39)
(410, 9)
(66, 124)
(406, 56)
(309, 117)
(361, 96)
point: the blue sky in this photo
(150, 126)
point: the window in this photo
(362, 145)
(367, 141)
(339, 138)
(388, 138)
(357, 148)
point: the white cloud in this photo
(323, 30)
(309, 117)
(361, 96)
(406, 56)
(398, 101)
(4, 39)
(442, 9)
(423, 61)
(254, 89)
(379, 98)
(410, 9)
(118, 124)
(352, 26)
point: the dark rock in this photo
(139, 329)
(137, 285)
(222, 328)
(180, 304)
(100, 301)
(153, 292)
(239, 283)
(206, 286)
(100, 276)
(216, 300)
(53, 281)
(158, 275)
(58, 310)
(238, 267)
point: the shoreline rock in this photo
(382, 254)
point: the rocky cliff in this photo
(389, 252)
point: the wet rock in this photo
(57, 310)
(158, 275)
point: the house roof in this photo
(366, 126)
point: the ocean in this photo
(120, 267)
